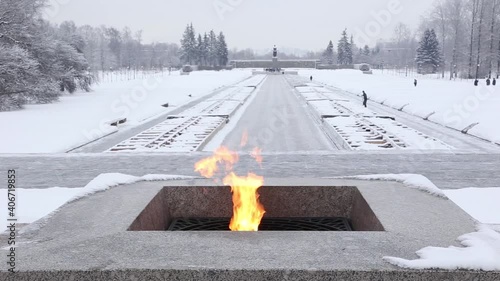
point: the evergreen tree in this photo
(188, 45)
(205, 49)
(344, 50)
(199, 50)
(350, 48)
(212, 48)
(328, 54)
(428, 53)
(222, 51)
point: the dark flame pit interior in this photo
(288, 208)
(267, 224)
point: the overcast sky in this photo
(258, 24)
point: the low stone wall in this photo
(335, 66)
(269, 64)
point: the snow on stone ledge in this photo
(411, 180)
(101, 183)
(106, 181)
(481, 251)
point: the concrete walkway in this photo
(276, 121)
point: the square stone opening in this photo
(280, 202)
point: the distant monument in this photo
(275, 59)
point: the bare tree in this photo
(491, 54)
(439, 16)
(481, 17)
(455, 15)
(474, 18)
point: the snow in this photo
(35, 204)
(457, 104)
(82, 117)
(411, 180)
(480, 251)
(480, 203)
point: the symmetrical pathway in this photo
(277, 121)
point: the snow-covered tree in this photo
(188, 45)
(199, 50)
(21, 79)
(429, 53)
(206, 49)
(222, 51)
(351, 49)
(31, 47)
(212, 48)
(328, 56)
(344, 50)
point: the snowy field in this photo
(456, 104)
(83, 117)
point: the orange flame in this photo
(209, 166)
(247, 210)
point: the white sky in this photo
(258, 24)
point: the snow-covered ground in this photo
(456, 104)
(481, 203)
(83, 117)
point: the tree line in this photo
(208, 49)
(467, 36)
(457, 37)
(39, 61)
(346, 53)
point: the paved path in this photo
(276, 121)
(445, 170)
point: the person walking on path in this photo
(488, 81)
(494, 82)
(365, 99)
(415, 82)
(311, 78)
(476, 82)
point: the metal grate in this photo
(267, 224)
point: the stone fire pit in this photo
(121, 234)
